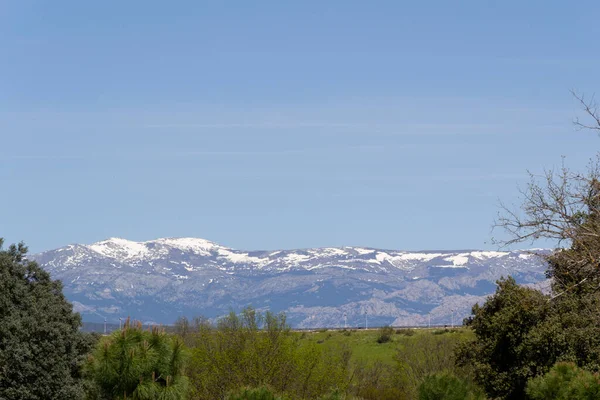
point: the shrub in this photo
(377, 381)
(385, 334)
(444, 331)
(405, 332)
(257, 350)
(446, 386)
(261, 393)
(565, 381)
(425, 355)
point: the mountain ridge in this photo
(161, 279)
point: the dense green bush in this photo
(138, 364)
(446, 386)
(565, 381)
(405, 332)
(503, 355)
(41, 348)
(385, 334)
(255, 350)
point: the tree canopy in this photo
(41, 348)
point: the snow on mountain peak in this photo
(127, 249)
(198, 246)
(119, 248)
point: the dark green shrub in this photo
(385, 334)
(444, 331)
(405, 332)
(565, 381)
(446, 386)
(503, 355)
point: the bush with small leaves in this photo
(565, 381)
(446, 386)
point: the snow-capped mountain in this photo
(160, 280)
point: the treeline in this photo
(254, 355)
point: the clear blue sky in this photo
(284, 124)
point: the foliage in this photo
(405, 332)
(334, 395)
(565, 381)
(503, 356)
(427, 354)
(385, 334)
(41, 348)
(446, 386)
(562, 206)
(138, 364)
(255, 350)
(261, 393)
(377, 381)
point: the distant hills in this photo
(160, 280)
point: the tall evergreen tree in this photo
(41, 348)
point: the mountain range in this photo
(161, 280)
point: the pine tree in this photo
(137, 364)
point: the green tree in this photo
(138, 364)
(565, 381)
(503, 355)
(41, 348)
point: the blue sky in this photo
(271, 124)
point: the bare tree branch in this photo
(562, 206)
(590, 107)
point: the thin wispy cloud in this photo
(34, 157)
(138, 155)
(383, 129)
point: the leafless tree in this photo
(563, 206)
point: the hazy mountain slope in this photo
(162, 279)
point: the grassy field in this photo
(364, 344)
